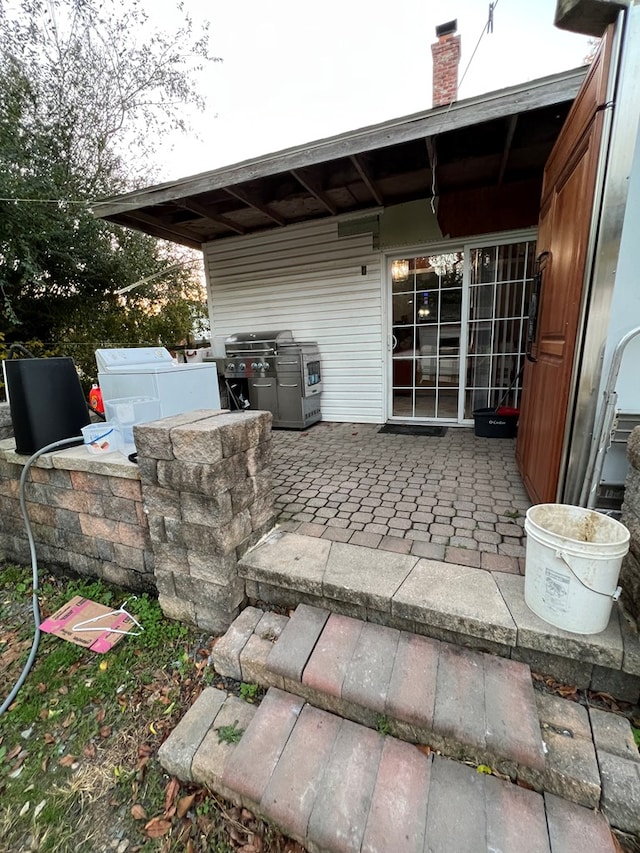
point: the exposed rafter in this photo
(263, 208)
(206, 213)
(187, 238)
(511, 129)
(315, 191)
(367, 179)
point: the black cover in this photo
(46, 402)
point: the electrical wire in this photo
(34, 566)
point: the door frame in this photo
(465, 245)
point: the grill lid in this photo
(257, 341)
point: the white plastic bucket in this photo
(572, 564)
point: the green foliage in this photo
(636, 736)
(82, 98)
(249, 692)
(230, 733)
(383, 725)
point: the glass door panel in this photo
(426, 327)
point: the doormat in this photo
(413, 429)
(89, 624)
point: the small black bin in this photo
(491, 424)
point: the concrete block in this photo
(456, 598)
(456, 817)
(199, 442)
(153, 439)
(210, 757)
(286, 559)
(253, 664)
(604, 649)
(227, 650)
(176, 608)
(209, 510)
(243, 430)
(459, 713)
(630, 643)
(244, 493)
(620, 685)
(249, 768)
(365, 576)
(398, 814)
(339, 815)
(257, 458)
(571, 768)
(178, 750)
(369, 671)
(293, 787)
(291, 653)
(412, 686)
(511, 716)
(327, 667)
(271, 626)
(612, 733)
(515, 818)
(621, 791)
(570, 826)
(160, 501)
(563, 670)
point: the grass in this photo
(78, 745)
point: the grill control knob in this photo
(255, 365)
(265, 366)
(242, 365)
(231, 366)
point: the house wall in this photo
(308, 279)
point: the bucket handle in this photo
(614, 596)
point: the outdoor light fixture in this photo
(400, 269)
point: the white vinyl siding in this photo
(306, 279)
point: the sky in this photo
(294, 72)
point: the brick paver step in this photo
(339, 787)
(468, 704)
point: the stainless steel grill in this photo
(272, 372)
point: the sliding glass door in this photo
(458, 322)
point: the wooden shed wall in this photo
(307, 279)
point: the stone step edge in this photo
(193, 753)
(278, 585)
(243, 652)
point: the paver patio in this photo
(457, 498)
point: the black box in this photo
(45, 400)
(490, 424)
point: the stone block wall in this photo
(207, 489)
(177, 522)
(630, 573)
(86, 515)
(6, 427)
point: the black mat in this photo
(411, 429)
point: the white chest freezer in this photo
(151, 372)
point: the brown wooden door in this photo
(563, 234)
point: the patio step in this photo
(334, 785)
(463, 704)
(460, 604)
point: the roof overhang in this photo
(498, 138)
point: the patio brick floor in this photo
(457, 498)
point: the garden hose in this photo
(34, 564)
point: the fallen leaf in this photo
(145, 749)
(67, 760)
(11, 755)
(89, 751)
(424, 748)
(44, 765)
(138, 812)
(170, 793)
(184, 804)
(100, 715)
(48, 738)
(105, 731)
(157, 827)
(41, 688)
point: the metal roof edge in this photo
(533, 94)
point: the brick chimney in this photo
(446, 57)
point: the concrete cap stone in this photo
(458, 598)
(177, 752)
(604, 649)
(289, 560)
(364, 575)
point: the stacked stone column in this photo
(630, 573)
(207, 491)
